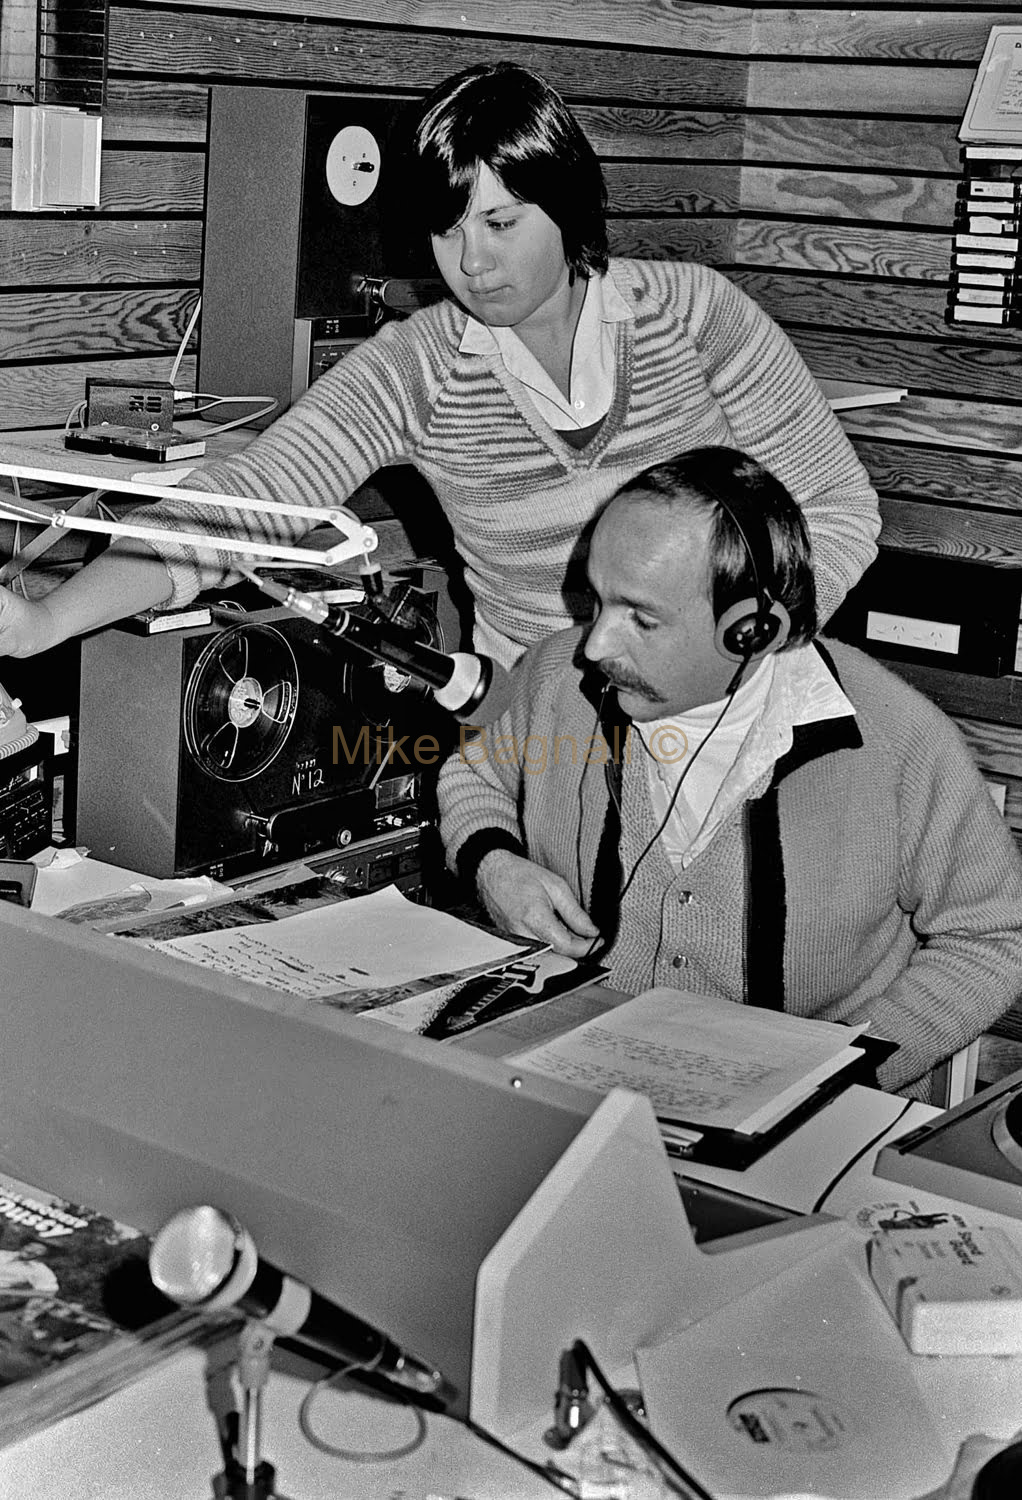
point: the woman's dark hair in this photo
(508, 117)
(748, 502)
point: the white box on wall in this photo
(56, 158)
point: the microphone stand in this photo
(246, 1476)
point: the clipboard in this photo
(736, 1150)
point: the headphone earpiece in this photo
(751, 629)
(757, 625)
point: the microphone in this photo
(462, 682)
(202, 1257)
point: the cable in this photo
(850, 1163)
(733, 687)
(264, 411)
(671, 1470)
(554, 1476)
(548, 1471)
(677, 790)
(74, 417)
(354, 1455)
(270, 404)
(179, 356)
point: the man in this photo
(726, 805)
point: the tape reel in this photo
(240, 702)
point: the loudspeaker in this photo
(298, 211)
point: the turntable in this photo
(972, 1153)
(258, 739)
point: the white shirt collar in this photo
(789, 689)
(592, 363)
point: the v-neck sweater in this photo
(697, 363)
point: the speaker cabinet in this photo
(298, 210)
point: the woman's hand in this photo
(525, 899)
(26, 625)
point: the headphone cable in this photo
(729, 698)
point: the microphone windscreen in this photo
(494, 701)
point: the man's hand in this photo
(26, 625)
(524, 898)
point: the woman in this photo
(551, 377)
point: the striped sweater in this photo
(873, 879)
(699, 363)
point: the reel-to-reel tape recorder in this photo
(262, 738)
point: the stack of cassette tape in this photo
(986, 276)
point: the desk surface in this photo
(43, 448)
(156, 1439)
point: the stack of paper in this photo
(703, 1062)
(355, 955)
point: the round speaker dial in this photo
(353, 165)
(240, 702)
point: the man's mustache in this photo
(620, 677)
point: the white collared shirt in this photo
(592, 359)
(755, 731)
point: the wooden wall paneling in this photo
(952, 531)
(982, 426)
(997, 747)
(82, 324)
(857, 144)
(624, 130)
(153, 182)
(992, 699)
(991, 370)
(140, 109)
(139, 181)
(941, 476)
(860, 88)
(844, 248)
(708, 240)
(671, 188)
(848, 302)
(180, 43)
(681, 23)
(898, 35)
(43, 251)
(42, 395)
(897, 199)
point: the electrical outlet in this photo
(920, 635)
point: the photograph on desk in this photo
(78, 1314)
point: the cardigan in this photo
(697, 363)
(869, 877)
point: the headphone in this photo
(750, 629)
